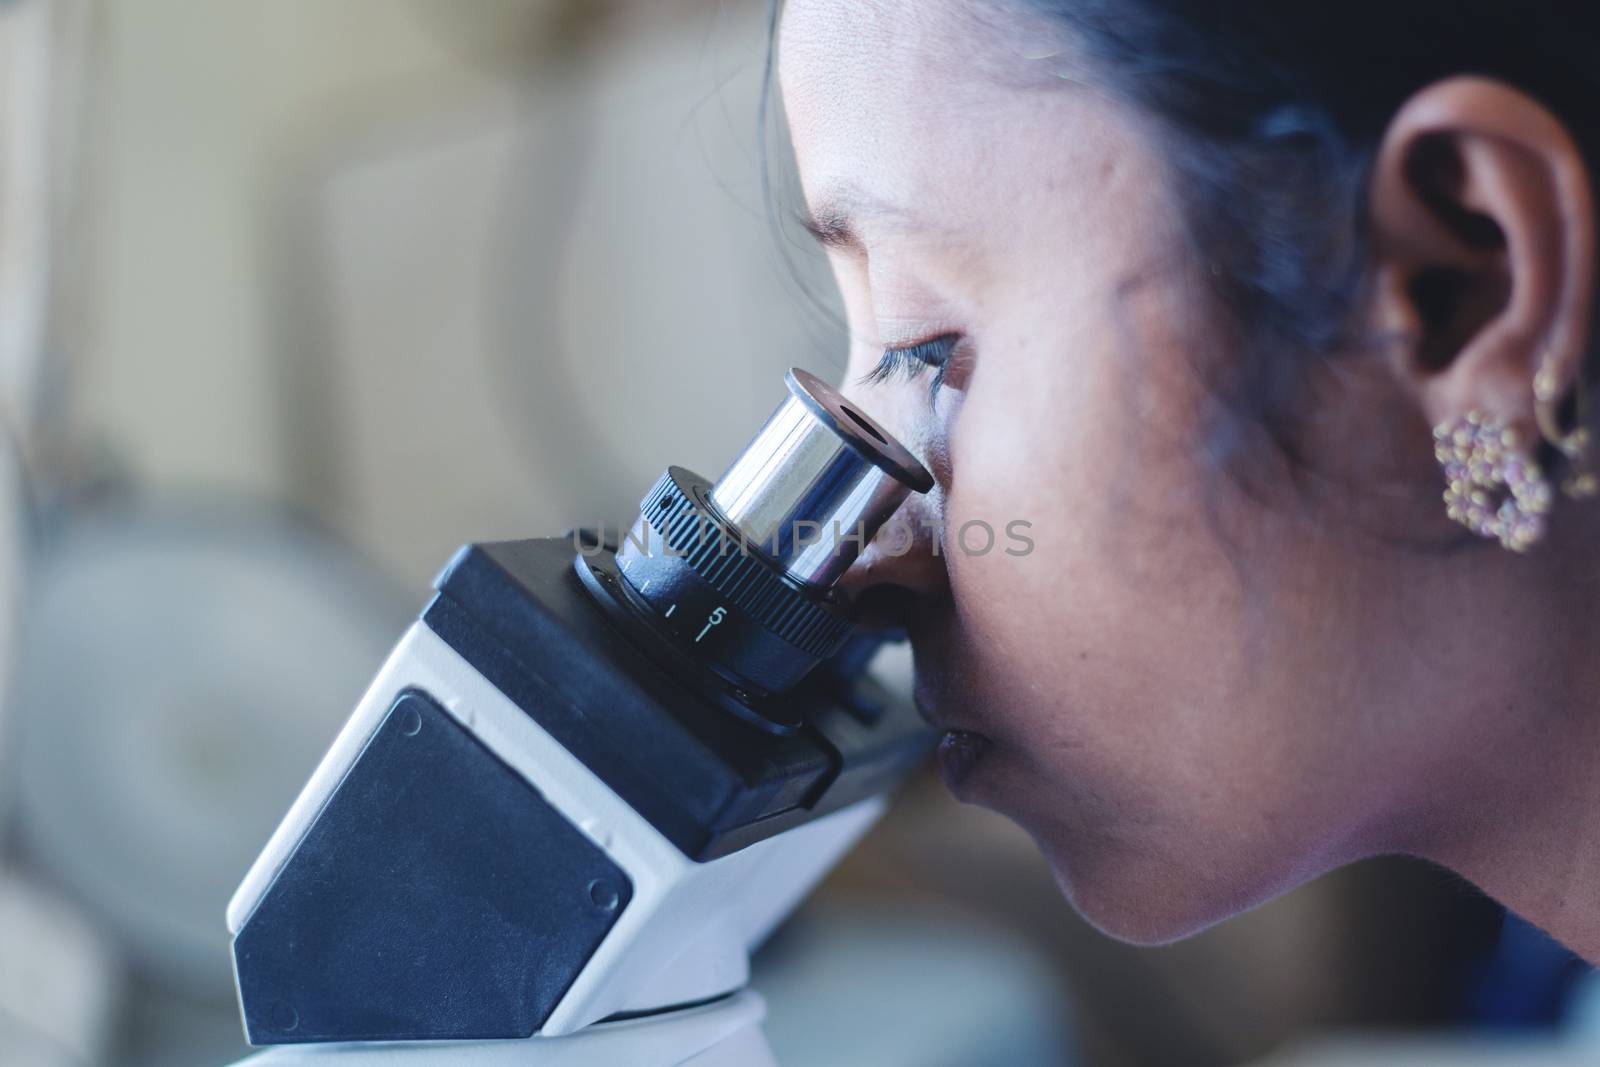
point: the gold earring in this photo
(1492, 487)
(1580, 481)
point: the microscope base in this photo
(723, 1034)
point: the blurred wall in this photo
(199, 112)
(433, 271)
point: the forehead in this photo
(860, 65)
(985, 36)
(925, 103)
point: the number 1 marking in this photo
(670, 610)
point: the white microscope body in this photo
(582, 790)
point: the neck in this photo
(1547, 873)
(1523, 822)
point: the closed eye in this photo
(911, 360)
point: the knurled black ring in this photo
(734, 567)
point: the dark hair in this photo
(1274, 109)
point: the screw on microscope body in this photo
(603, 895)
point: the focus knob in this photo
(715, 590)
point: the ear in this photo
(1483, 239)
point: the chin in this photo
(1138, 897)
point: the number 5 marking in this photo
(716, 616)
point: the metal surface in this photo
(817, 482)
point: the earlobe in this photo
(1482, 226)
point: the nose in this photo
(900, 577)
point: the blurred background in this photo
(297, 296)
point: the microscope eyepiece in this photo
(740, 574)
(817, 482)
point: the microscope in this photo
(591, 778)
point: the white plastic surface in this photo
(724, 1034)
(688, 930)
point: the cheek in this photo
(1108, 661)
(1106, 654)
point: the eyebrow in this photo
(831, 226)
(835, 220)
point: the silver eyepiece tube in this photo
(815, 484)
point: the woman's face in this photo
(1184, 690)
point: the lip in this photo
(960, 749)
(960, 752)
(924, 697)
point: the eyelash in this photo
(911, 360)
